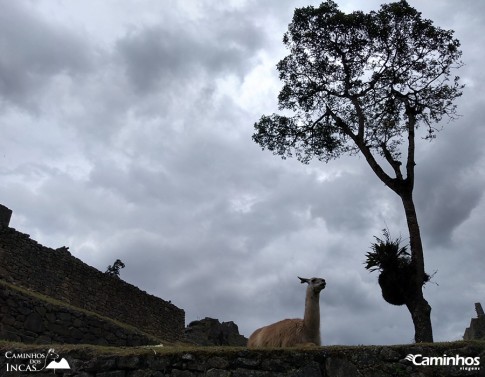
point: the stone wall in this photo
(58, 274)
(29, 318)
(368, 361)
(476, 330)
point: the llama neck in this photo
(311, 319)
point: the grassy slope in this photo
(35, 296)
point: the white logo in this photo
(465, 363)
(62, 364)
(411, 358)
(34, 361)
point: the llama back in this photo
(285, 333)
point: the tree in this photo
(364, 83)
(114, 270)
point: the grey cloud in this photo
(453, 183)
(31, 56)
(59, 202)
(168, 59)
(350, 203)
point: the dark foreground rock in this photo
(211, 332)
(368, 361)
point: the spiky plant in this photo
(394, 264)
(387, 254)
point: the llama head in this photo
(51, 354)
(315, 284)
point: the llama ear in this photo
(303, 280)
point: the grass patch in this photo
(95, 350)
(181, 348)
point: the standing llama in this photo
(294, 332)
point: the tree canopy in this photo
(360, 83)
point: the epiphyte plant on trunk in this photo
(393, 261)
(365, 83)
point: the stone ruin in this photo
(211, 332)
(83, 295)
(5, 215)
(59, 275)
(476, 330)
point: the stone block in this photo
(34, 323)
(479, 309)
(242, 372)
(182, 373)
(44, 339)
(8, 320)
(41, 310)
(145, 373)
(218, 373)
(217, 362)
(310, 370)
(5, 215)
(128, 362)
(64, 317)
(337, 367)
(114, 373)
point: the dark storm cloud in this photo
(32, 51)
(167, 58)
(450, 177)
(350, 203)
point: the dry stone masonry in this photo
(477, 325)
(58, 274)
(28, 318)
(368, 361)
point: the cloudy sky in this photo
(126, 133)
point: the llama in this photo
(51, 354)
(294, 332)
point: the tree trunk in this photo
(421, 315)
(417, 305)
